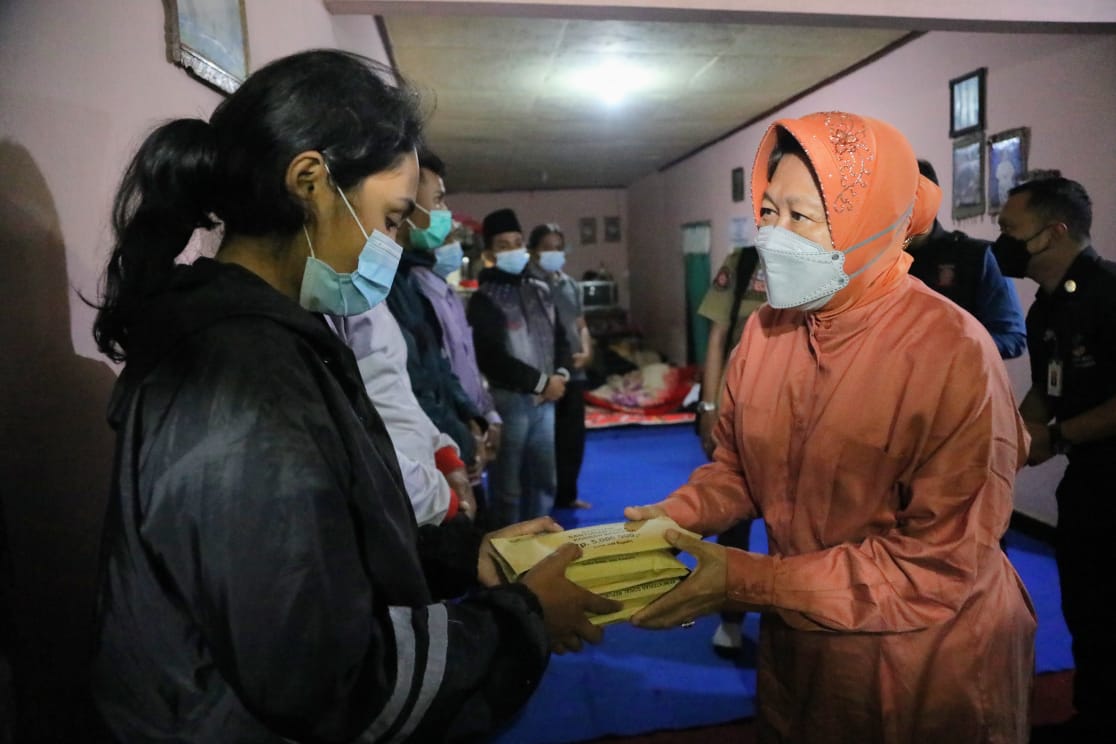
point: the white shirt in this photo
(381, 354)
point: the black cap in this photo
(927, 170)
(500, 221)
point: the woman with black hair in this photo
(263, 575)
(547, 246)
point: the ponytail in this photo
(337, 103)
(165, 195)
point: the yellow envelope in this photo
(519, 554)
(636, 568)
(634, 599)
(630, 562)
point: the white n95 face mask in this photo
(801, 274)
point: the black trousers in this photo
(1087, 574)
(569, 441)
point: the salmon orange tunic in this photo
(879, 442)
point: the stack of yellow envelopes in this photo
(630, 562)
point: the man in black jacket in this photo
(1070, 410)
(432, 378)
(524, 359)
(963, 269)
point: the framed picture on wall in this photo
(612, 229)
(1007, 164)
(587, 230)
(738, 184)
(966, 103)
(210, 39)
(968, 176)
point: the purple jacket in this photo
(457, 338)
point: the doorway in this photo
(696, 241)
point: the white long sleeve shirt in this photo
(381, 354)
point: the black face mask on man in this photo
(1012, 254)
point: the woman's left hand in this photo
(701, 593)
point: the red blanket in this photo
(649, 391)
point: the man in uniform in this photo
(1071, 410)
(737, 290)
(963, 269)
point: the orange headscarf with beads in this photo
(869, 182)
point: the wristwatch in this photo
(705, 406)
(1058, 444)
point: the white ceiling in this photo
(509, 115)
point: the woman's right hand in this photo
(640, 513)
(565, 604)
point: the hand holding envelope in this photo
(700, 594)
(489, 571)
(566, 607)
(630, 562)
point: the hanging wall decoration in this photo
(210, 39)
(968, 176)
(1007, 164)
(966, 103)
(738, 184)
(587, 230)
(612, 229)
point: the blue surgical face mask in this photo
(447, 259)
(324, 290)
(552, 260)
(429, 238)
(513, 262)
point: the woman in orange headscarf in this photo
(871, 424)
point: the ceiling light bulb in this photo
(611, 81)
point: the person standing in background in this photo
(964, 270)
(547, 245)
(735, 293)
(436, 387)
(524, 355)
(432, 260)
(1070, 410)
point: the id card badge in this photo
(1054, 378)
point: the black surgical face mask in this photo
(1012, 254)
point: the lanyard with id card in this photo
(1054, 378)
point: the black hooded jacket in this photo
(263, 577)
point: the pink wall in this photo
(566, 208)
(1062, 86)
(83, 82)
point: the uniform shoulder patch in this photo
(723, 280)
